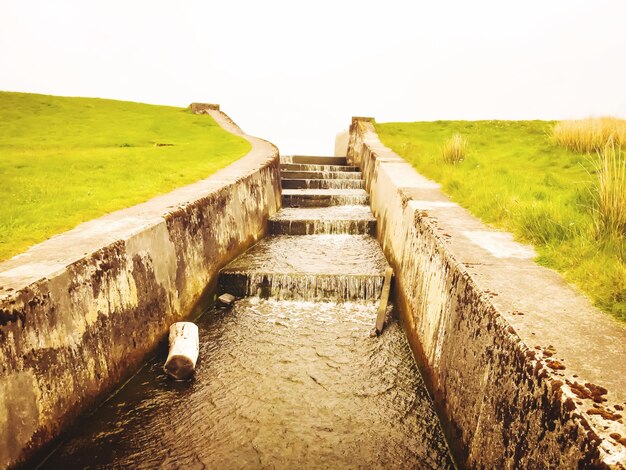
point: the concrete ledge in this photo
(81, 311)
(201, 108)
(526, 373)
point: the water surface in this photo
(280, 384)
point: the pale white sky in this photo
(295, 72)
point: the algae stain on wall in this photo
(19, 396)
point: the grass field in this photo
(515, 178)
(67, 160)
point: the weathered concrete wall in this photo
(80, 312)
(525, 372)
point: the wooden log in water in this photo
(183, 350)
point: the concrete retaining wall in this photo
(524, 371)
(81, 311)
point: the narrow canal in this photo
(290, 376)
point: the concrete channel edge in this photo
(525, 372)
(80, 312)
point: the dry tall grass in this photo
(454, 149)
(610, 194)
(590, 135)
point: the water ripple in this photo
(281, 384)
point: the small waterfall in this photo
(323, 226)
(313, 287)
(323, 184)
(312, 167)
(334, 175)
(324, 200)
(336, 257)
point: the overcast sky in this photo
(295, 72)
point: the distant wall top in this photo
(199, 108)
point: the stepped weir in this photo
(289, 376)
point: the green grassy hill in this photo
(67, 160)
(515, 178)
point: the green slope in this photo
(516, 179)
(67, 160)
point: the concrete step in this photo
(322, 184)
(304, 167)
(314, 160)
(324, 197)
(323, 175)
(353, 220)
(315, 267)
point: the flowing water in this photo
(321, 174)
(290, 376)
(280, 385)
(328, 220)
(323, 184)
(315, 267)
(324, 197)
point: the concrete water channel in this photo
(289, 377)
